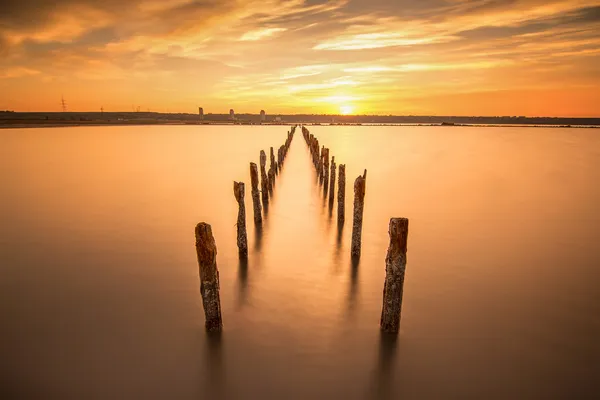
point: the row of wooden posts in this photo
(320, 160)
(398, 231)
(206, 248)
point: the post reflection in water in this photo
(354, 264)
(388, 344)
(214, 377)
(258, 236)
(243, 280)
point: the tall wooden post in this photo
(255, 193)
(342, 193)
(273, 166)
(264, 180)
(359, 204)
(242, 237)
(332, 182)
(206, 249)
(395, 267)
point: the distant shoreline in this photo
(10, 119)
(56, 124)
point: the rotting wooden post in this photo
(395, 267)
(271, 180)
(273, 166)
(359, 204)
(280, 157)
(206, 249)
(242, 237)
(264, 182)
(332, 182)
(321, 163)
(326, 167)
(255, 193)
(342, 193)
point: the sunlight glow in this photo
(346, 109)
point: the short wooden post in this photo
(342, 193)
(255, 193)
(206, 249)
(242, 237)
(395, 267)
(359, 204)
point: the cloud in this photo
(261, 33)
(296, 53)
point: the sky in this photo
(426, 57)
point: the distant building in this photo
(277, 119)
(201, 112)
(231, 114)
(263, 116)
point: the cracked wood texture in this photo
(206, 249)
(395, 267)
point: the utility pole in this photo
(63, 103)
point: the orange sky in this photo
(433, 57)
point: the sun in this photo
(346, 109)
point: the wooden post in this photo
(273, 166)
(255, 193)
(326, 168)
(206, 249)
(242, 237)
(359, 203)
(342, 193)
(332, 182)
(395, 267)
(264, 183)
(271, 180)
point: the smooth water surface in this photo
(99, 287)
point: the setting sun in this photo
(346, 109)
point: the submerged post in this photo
(395, 267)
(242, 237)
(359, 203)
(342, 193)
(255, 193)
(206, 249)
(264, 183)
(332, 182)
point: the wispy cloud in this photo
(299, 55)
(261, 33)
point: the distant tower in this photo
(231, 114)
(201, 112)
(63, 103)
(263, 116)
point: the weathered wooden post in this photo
(206, 249)
(271, 180)
(342, 193)
(242, 237)
(264, 183)
(332, 182)
(326, 168)
(359, 204)
(273, 166)
(255, 193)
(395, 267)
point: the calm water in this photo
(99, 288)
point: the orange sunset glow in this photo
(437, 57)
